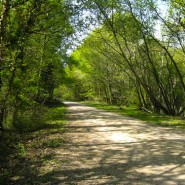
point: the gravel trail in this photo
(106, 148)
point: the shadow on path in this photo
(106, 148)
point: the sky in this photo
(79, 36)
(163, 7)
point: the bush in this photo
(30, 119)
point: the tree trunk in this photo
(3, 18)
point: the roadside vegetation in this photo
(24, 155)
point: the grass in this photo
(54, 143)
(133, 112)
(22, 154)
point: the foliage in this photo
(122, 62)
(33, 53)
(128, 63)
(23, 154)
(21, 150)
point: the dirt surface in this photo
(106, 148)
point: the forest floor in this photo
(100, 147)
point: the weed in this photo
(21, 151)
(53, 143)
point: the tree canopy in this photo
(128, 59)
(134, 55)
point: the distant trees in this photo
(127, 57)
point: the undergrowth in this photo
(23, 151)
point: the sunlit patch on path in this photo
(121, 137)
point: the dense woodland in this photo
(126, 60)
(32, 57)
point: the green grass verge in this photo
(56, 117)
(161, 120)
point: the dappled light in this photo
(105, 148)
(124, 57)
(99, 147)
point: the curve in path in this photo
(106, 148)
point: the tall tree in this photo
(131, 29)
(33, 32)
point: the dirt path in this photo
(106, 148)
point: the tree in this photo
(128, 29)
(33, 32)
